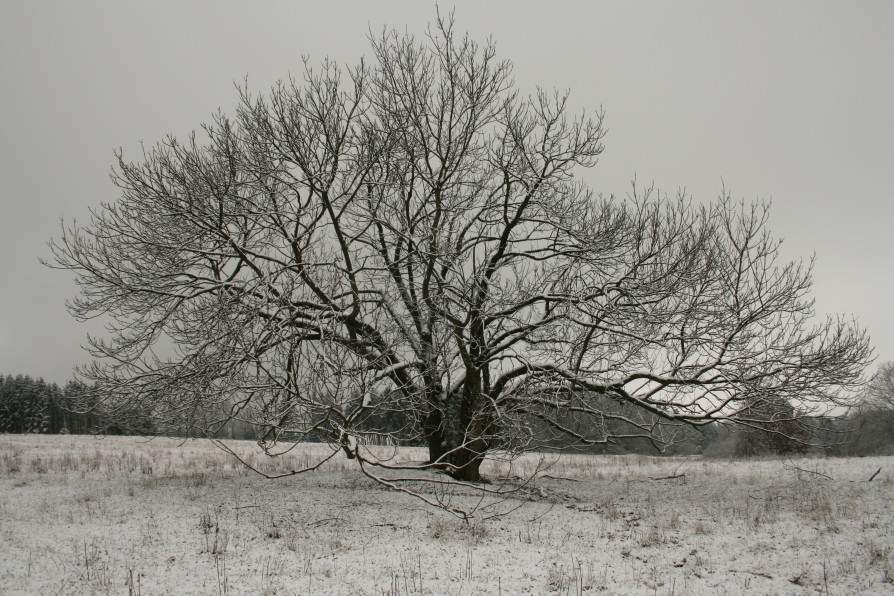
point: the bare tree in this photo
(871, 431)
(880, 395)
(406, 241)
(772, 425)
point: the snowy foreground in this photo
(80, 515)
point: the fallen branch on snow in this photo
(671, 477)
(790, 466)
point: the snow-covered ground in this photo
(80, 515)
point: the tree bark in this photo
(434, 430)
(467, 461)
(468, 457)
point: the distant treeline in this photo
(29, 405)
(767, 427)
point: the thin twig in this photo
(324, 520)
(789, 465)
(671, 477)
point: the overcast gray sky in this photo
(789, 101)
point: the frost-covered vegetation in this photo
(82, 515)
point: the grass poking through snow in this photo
(122, 515)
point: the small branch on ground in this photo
(325, 520)
(791, 466)
(874, 475)
(671, 477)
(582, 508)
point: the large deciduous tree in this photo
(402, 248)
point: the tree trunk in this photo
(468, 461)
(434, 430)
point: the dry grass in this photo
(160, 456)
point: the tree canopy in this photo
(403, 251)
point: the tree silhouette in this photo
(401, 250)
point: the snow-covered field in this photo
(80, 515)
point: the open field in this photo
(80, 515)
